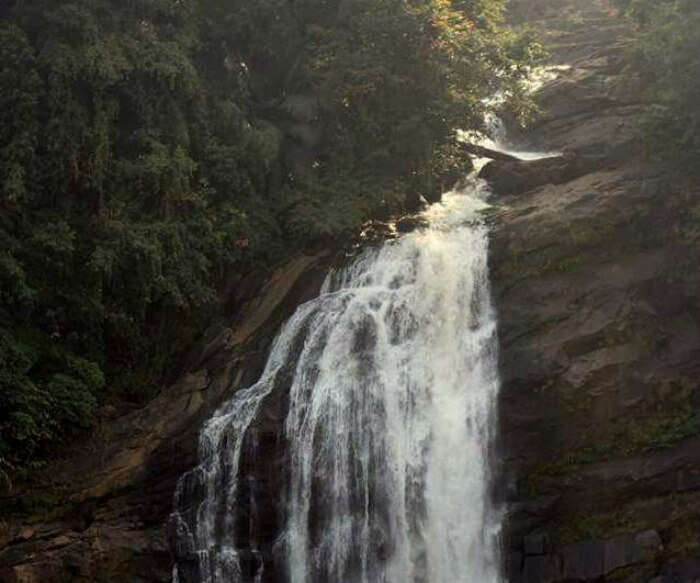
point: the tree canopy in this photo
(151, 149)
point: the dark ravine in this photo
(594, 265)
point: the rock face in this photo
(101, 514)
(596, 276)
(518, 176)
(586, 561)
(595, 268)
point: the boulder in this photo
(434, 194)
(508, 177)
(408, 224)
(413, 202)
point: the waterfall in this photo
(389, 380)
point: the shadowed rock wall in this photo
(595, 261)
(101, 514)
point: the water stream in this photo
(391, 415)
(390, 383)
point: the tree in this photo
(145, 157)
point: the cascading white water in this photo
(391, 409)
(390, 422)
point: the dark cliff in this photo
(595, 265)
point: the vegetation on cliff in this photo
(152, 150)
(665, 61)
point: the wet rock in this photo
(590, 560)
(542, 569)
(684, 572)
(414, 202)
(373, 233)
(535, 544)
(409, 224)
(483, 152)
(509, 177)
(180, 539)
(434, 194)
(514, 567)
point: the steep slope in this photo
(101, 514)
(595, 263)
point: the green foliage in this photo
(148, 153)
(663, 431)
(665, 60)
(32, 408)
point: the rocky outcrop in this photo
(596, 275)
(584, 561)
(509, 177)
(101, 514)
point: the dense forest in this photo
(152, 151)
